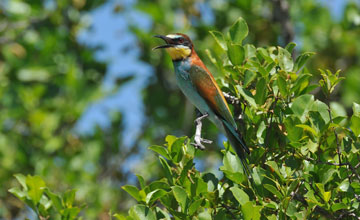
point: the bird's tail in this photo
(240, 148)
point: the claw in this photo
(206, 141)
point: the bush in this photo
(304, 152)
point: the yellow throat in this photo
(178, 53)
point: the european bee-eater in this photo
(200, 87)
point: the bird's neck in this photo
(182, 65)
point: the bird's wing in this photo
(206, 85)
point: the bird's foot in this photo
(199, 143)
(197, 138)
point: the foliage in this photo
(47, 80)
(45, 203)
(304, 159)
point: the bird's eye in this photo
(181, 40)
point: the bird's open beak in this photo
(166, 39)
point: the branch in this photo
(232, 99)
(353, 169)
(228, 209)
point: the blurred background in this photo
(82, 95)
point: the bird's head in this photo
(179, 46)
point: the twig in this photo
(228, 209)
(232, 99)
(353, 169)
(325, 162)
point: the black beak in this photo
(166, 39)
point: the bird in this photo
(199, 86)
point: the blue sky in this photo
(119, 51)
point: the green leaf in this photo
(307, 128)
(119, 217)
(22, 180)
(18, 193)
(250, 212)
(211, 181)
(327, 196)
(355, 125)
(265, 55)
(246, 95)
(250, 51)
(181, 197)
(195, 206)
(337, 109)
(55, 199)
(141, 212)
(133, 191)
(36, 187)
(160, 150)
(300, 84)
(141, 181)
(261, 92)
(285, 60)
(249, 77)
(162, 214)
(201, 186)
(236, 54)
(322, 108)
(293, 133)
(170, 139)
(337, 206)
(167, 170)
(356, 109)
(154, 195)
(238, 31)
(327, 175)
(301, 105)
(301, 60)
(282, 86)
(176, 149)
(290, 47)
(273, 165)
(70, 213)
(292, 187)
(313, 147)
(232, 163)
(239, 195)
(205, 215)
(69, 197)
(344, 185)
(219, 39)
(273, 190)
(158, 185)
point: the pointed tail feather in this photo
(229, 128)
(240, 148)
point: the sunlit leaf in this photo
(141, 212)
(238, 31)
(181, 197)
